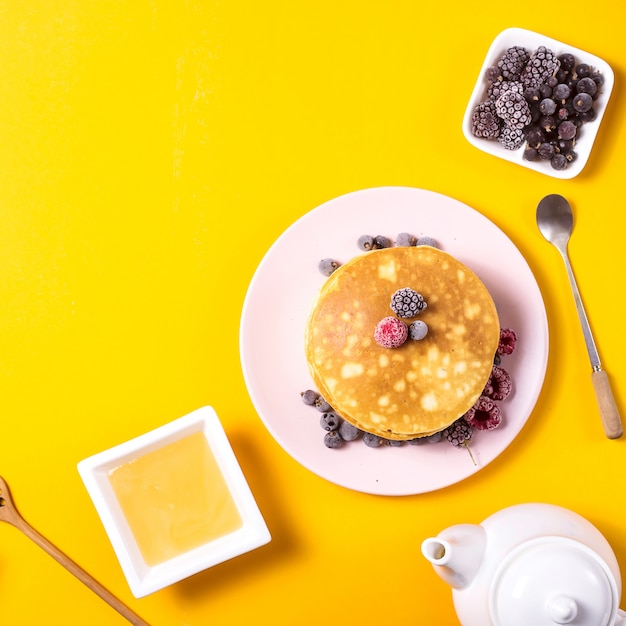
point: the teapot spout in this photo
(456, 553)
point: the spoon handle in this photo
(609, 414)
(606, 402)
(19, 522)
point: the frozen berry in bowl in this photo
(529, 80)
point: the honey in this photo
(175, 498)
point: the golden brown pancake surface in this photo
(422, 386)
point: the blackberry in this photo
(513, 109)
(485, 121)
(459, 433)
(511, 138)
(513, 62)
(407, 302)
(542, 64)
(501, 87)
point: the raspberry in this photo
(391, 332)
(407, 302)
(485, 121)
(542, 64)
(513, 62)
(499, 385)
(484, 415)
(458, 433)
(507, 342)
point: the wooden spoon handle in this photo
(606, 402)
(78, 571)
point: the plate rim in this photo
(301, 222)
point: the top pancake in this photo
(422, 386)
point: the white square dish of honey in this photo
(174, 501)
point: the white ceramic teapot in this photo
(529, 565)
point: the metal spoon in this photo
(10, 514)
(555, 221)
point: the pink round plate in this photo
(279, 300)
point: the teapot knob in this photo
(562, 609)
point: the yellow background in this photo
(150, 152)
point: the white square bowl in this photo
(531, 41)
(142, 578)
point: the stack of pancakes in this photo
(422, 386)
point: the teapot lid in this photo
(551, 581)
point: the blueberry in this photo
(582, 102)
(567, 130)
(583, 70)
(427, 241)
(406, 239)
(434, 438)
(321, 405)
(380, 241)
(330, 421)
(547, 106)
(327, 266)
(559, 161)
(309, 397)
(348, 431)
(365, 242)
(395, 443)
(371, 440)
(333, 440)
(587, 85)
(418, 330)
